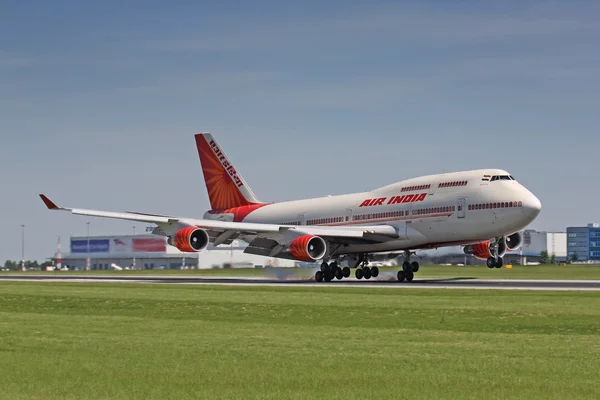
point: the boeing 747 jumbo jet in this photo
(482, 210)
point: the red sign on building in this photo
(149, 245)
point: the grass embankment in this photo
(125, 341)
(585, 272)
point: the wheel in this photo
(333, 266)
(414, 266)
(346, 272)
(410, 276)
(319, 276)
(406, 266)
(374, 272)
(499, 263)
(338, 273)
(328, 276)
(490, 262)
(367, 272)
(324, 266)
(358, 273)
(401, 276)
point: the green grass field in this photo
(126, 341)
(586, 272)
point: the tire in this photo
(338, 274)
(414, 266)
(499, 263)
(406, 266)
(346, 272)
(490, 262)
(410, 276)
(367, 272)
(401, 276)
(319, 276)
(374, 272)
(324, 266)
(359, 273)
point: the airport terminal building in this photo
(584, 243)
(153, 252)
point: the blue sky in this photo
(99, 103)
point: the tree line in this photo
(16, 265)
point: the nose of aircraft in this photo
(532, 206)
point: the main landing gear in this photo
(408, 268)
(330, 271)
(364, 272)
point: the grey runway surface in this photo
(433, 283)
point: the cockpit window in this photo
(502, 178)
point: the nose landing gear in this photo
(493, 262)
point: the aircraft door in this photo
(461, 207)
(349, 213)
(433, 187)
(302, 219)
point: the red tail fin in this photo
(226, 187)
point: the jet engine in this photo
(485, 250)
(514, 241)
(190, 239)
(308, 248)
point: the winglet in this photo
(49, 203)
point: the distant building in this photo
(153, 252)
(583, 243)
(535, 242)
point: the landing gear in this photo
(408, 268)
(328, 272)
(492, 262)
(362, 269)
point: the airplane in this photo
(482, 210)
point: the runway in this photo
(453, 283)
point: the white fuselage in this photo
(431, 211)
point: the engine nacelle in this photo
(485, 250)
(514, 241)
(308, 248)
(190, 239)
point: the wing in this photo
(264, 239)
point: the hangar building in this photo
(153, 252)
(535, 242)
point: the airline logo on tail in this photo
(228, 167)
(225, 185)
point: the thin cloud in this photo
(399, 24)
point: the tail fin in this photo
(226, 187)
